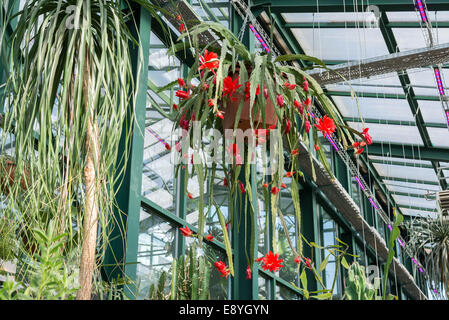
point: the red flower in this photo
(358, 151)
(283, 185)
(308, 102)
(274, 190)
(189, 195)
(181, 82)
(242, 187)
(289, 174)
(290, 86)
(325, 125)
(248, 90)
(183, 123)
(298, 259)
(220, 114)
(317, 147)
(167, 146)
(229, 86)
(307, 126)
(182, 94)
(205, 86)
(260, 136)
(175, 106)
(280, 100)
(178, 17)
(234, 151)
(209, 237)
(368, 138)
(305, 85)
(265, 185)
(295, 152)
(221, 267)
(248, 273)
(211, 102)
(288, 126)
(209, 61)
(186, 231)
(308, 262)
(272, 262)
(178, 146)
(182, 28)
(225, 182)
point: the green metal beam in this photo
(345, 5)
(418, 208)
(414, 195)
(352, 24)
(381, 95)
(409, 152)
(401, 163)
(396, 122)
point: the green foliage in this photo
(190, 276)
(358, 286)
(8, 242)
(48, 275)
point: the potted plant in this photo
(236, 89)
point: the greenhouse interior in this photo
(224, 150)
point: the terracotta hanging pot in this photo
(7, 176)
(232, 105)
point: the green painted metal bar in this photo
(408, 152)
(283, 6)
(418, 208)
(380, 95)
(121, 257)
(359, 24)
(396, 122)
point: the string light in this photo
(439, 82)
(422, 11)
(258, 37)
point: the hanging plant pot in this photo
(7, 175)
(231, 107)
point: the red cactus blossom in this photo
(307, 102)
(272, 262)
(186, 232)
(234, 151)
(183, 123)
(181, 82)
(290, 86)
(280, 100)
(307, 126)
(175, 106)
(283, 185)
(220, 114)
(265, 185)
(182, 28)
(222, 268)
(248, 90)
(317, 147)
(305, 85)
(275, 190)
(298, 259)
(295, 152)
(211, 102)
(307, 262)
(288, 126)
(368, 138)
(229, 86)
(189, 195)
(325, 125)
(289, 174)
(225, 182)
(167, 146)
(248, 273)
(182, 94)
(178, 17)
(210, 237)
(209, 61)
(242, 187)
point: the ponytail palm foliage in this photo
(68, 92)
(429, 240)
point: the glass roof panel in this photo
(413, 38)
(396, 188)
(390, 160)
(411, 185)
(423, 81)
(341, 44)
(408, 135)
(412, 16)
(316, 17)
(439, 137)
(432, 111)
(396, 171)
(418, 213)
(416, 202)
(388, 83)
(372, 108)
